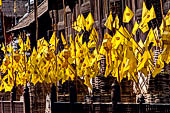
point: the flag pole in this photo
(36, 17)
(54, 92)
(55, 30)
(75, 50)
(4, 32)
(65, 22)
(162, 14)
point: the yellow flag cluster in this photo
(81, 23)
(125, 57)
(110, 24)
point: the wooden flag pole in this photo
(26, 89)
(162, 14)
(99, 20)
(3, 23)
(65, 22)
(36, 17)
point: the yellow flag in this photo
(8, 86)
(9, 48)
(167, 18)
(150, 15)
(146, 56)
(135, 28)
(86, 62)
(109, 21)
(76, 27)
(21, 43)
(89, 22)
(28, 44)
(72, 48)
(124, 32)
(149, 38)
(127, 15)
(63, 39)
(102, 50)
(0, 2)
(81, 22)
(166, 54)
(71, 40)
(94, 35)
(81, 39)
(91, 44)
(156, 41)
(34, 54)
(53, 39)
(77, 24)
(161, 28)
(117, 40)
(116, 23)
(144, 10)
(87, 82)
(78, 21)
(158, 67)
(140, 43)
(3, 48)
(144, 27)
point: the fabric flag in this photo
(166, 54)
(3, 48)
(161, 28)
(124, 32)
(53, 39)
(28, 44)
(20, 41)
(109, 21)
(146, 56)
(82, 21)
(144, 10)
(156, 33)
(71, 40)
(144, 27)
(0, 2)
(9, 48)
(135, 28)
(158, 67)
(149, 38)
(89, 22)
(91, 44)
(127, 15)
(81, 39)
(140, 43)
(116, 23)
(167, 18)
(94, 35)
(77, 24)
(63, 39)
(150, 15)
(117, 40)
(76, 27)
